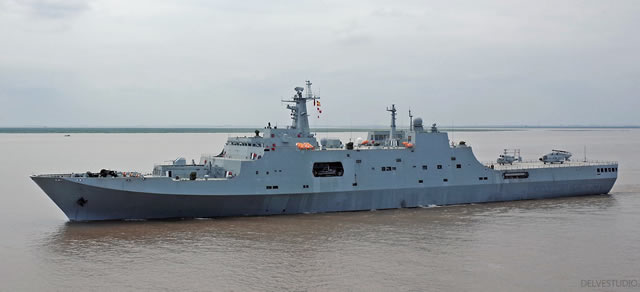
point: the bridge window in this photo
(327, 169)
(445, 180)
(358, 161)
(458, 165)
(398, 160)
(424, 167)
(419, 181)
(439, 166)
(453, 158)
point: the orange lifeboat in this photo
(305, 146)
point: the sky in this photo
(229, 63)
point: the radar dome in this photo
(417, 122)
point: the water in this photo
(514, 246)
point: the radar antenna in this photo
(299, 114)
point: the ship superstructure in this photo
(286, 171)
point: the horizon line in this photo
(317, 127)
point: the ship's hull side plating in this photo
(80, 202)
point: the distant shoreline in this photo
(140, 130)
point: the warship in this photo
(287, 171)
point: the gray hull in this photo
(81, 202)
(286, 171)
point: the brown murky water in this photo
(554, 245)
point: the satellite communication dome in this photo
(417, 122)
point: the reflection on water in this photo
(315, 227)
(314, 251)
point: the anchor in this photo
(82, 201)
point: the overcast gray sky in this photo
(208, 63)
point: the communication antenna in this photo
(392, 133)
(585, 153)
(410, 121)
(453, 133)
(350, 130)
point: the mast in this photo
(392, 133)
(410, 121)
(299, 114)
